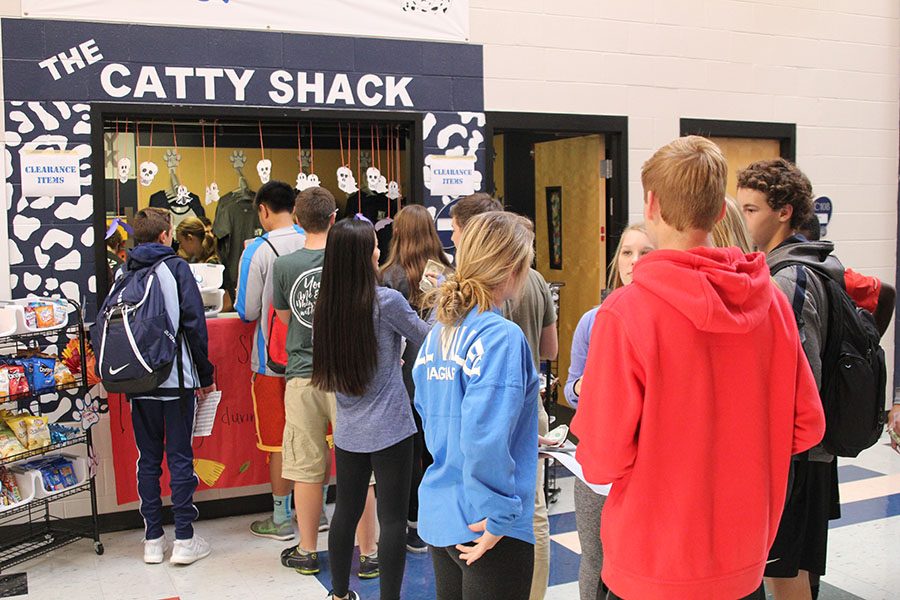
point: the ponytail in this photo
(494, 247)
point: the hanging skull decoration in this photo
(124, 169)
(381, 187)
(346, 180)
(264, 168)
(301, 182)
(148, 171)
(212, 193)
(182, 195)
(393, 190)
(372, 175)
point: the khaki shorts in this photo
(308, 412)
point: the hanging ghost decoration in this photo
(264, 168)
(381, 187)
(182, 195)
(212, 193)
(124, 169)
(372, 175)
(346, 180)
(304, 181)
(148, 171)
(393, 190)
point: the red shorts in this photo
(268, 409)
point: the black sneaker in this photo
(351, 595)
(414, 543)
(368, 567)
(305, 564)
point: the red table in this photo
(229, 457)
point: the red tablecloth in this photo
(229, 457)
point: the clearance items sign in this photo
(414, 19)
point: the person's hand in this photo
(542, 441)
(893, 424)
(206, 391)
(481, 545)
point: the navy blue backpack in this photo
(134, 339)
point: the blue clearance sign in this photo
(51, 60)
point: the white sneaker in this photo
(185, 552)
(154, 550)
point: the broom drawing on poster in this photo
(208, 471)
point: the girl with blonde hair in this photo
(633, 245)
(196, 242)
(732, 230)
(476, 390)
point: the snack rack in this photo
(28, 529)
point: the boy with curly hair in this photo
(777, 200)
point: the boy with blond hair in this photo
(695, 395)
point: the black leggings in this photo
(503, 573)
(392, 467)
(421, 461)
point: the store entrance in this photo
(205, 168)
(567, 181)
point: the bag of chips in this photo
(19, 426)
(18, 381)
(4, 381)
(38, 432)
(9, 488)
(43, 314)
(9, 445)
(62, 375)
(40, 373)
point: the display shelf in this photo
(39, 502)
(45, 532)
(41, 538)
(30, 395)
(81, 439)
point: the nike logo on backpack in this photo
(118, 369)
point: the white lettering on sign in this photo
(120, 81)
(75, 59)
(371, 89)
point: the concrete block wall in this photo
(829, 66)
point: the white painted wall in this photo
(830, 66)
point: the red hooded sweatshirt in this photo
(696, 393)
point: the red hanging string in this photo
(372, 150)
(378, 144)
(358, 161)
(215, 135)
(299, 148)
(312, 156)
(398, 172)
(262, 147)
(203, 142)
(118, 152)
(341, 140)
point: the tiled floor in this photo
(863, 558)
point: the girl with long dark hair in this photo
(415, 241)
(356, 354)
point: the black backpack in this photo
(854, 374)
